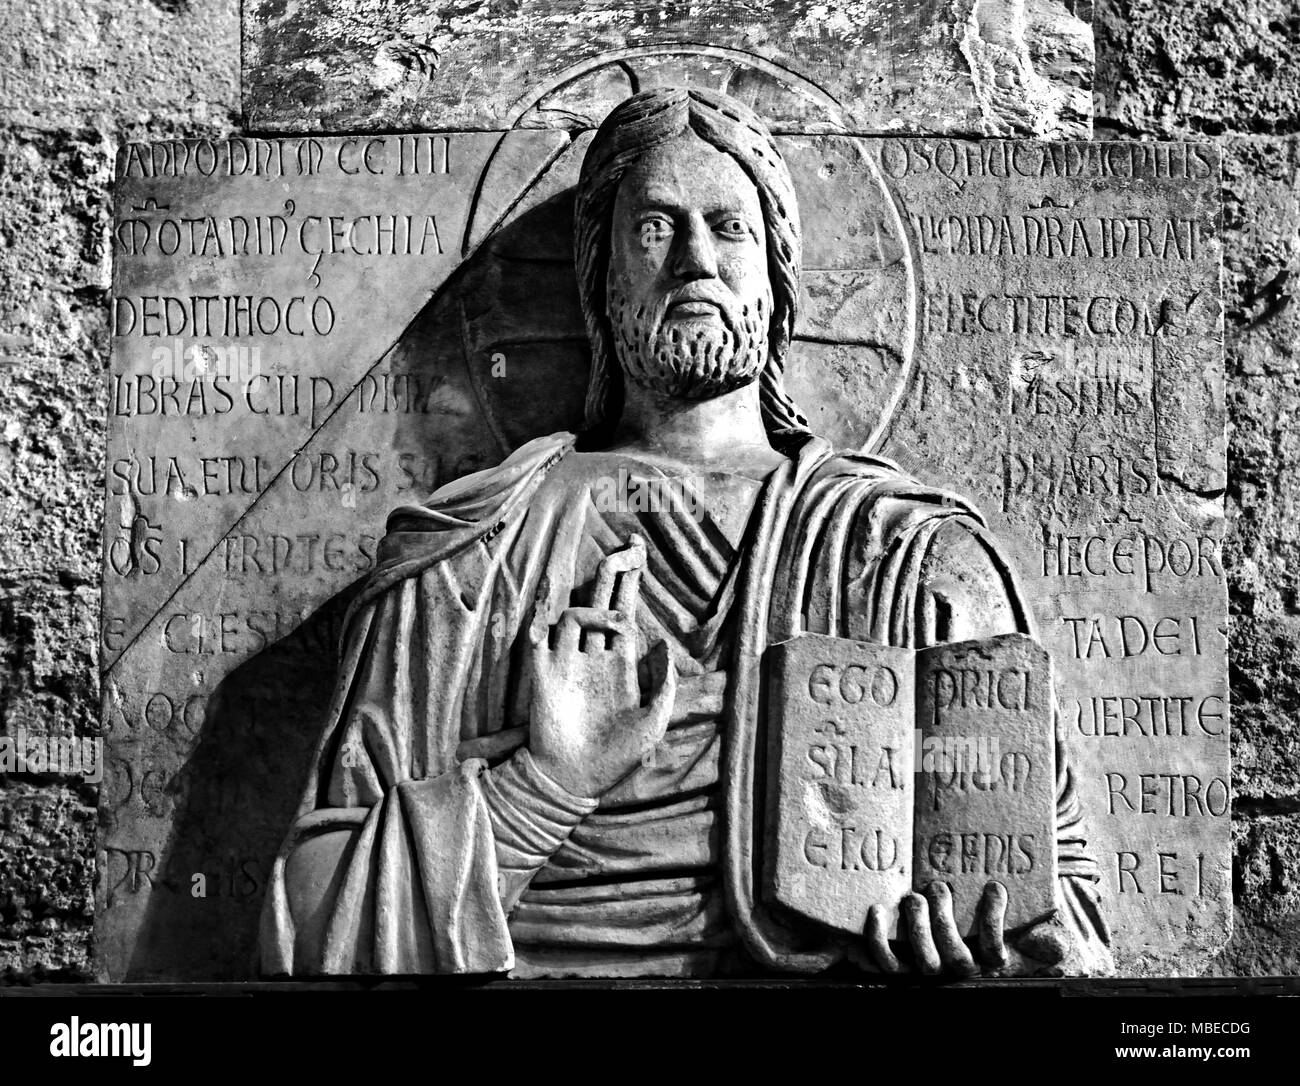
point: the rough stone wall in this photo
(76, 78)
(1229, 70)
(79, 76)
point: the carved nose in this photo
(695, 257)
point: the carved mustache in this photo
(711, 293)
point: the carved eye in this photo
(655, 230)
(733, 227)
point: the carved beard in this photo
(693, 359)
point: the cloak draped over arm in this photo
(433, 844)
(851, 547)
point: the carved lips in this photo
(678, 310)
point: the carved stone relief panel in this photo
(309, 332)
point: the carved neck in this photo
(725, 433)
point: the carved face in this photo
(688, 288)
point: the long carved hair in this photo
(638, 124)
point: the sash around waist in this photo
(668, 912)
(683, 836)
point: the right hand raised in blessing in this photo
(588, 727)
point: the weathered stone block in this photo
(1266, 874)
(1266, 707)
(49, 655)
(47, 838)
(120, 66)
(998, 67)
(1195, 68)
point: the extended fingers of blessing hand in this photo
(610, 620)
(584, 629)
(618, 578)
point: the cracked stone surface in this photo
(1261, 262)
(974, 67)
(1179, 69)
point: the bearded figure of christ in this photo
(543, 751)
